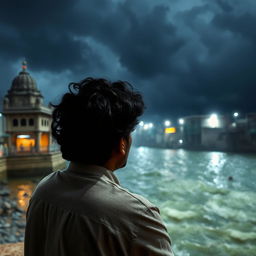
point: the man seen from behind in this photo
(83, 210)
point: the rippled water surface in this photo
(205, 212)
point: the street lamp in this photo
(150, 125)
(167, 123)
(181, 121)
(213, 121)
(235, 114)
(146, 126)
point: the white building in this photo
(27, 124)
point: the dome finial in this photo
(24, 65)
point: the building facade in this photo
(27, 120)
(27, 125)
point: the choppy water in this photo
(205, 213)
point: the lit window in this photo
(170, 130)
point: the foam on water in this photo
(224, 211)
(178, 215)
(204, 212)
(241, 236)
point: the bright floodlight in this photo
(0, 114)
(146, 126)
(167, 123)
(23, 136)
(150, 125)
(181, 121)
(235, 114)
(180, 141)
(141, 123)
(213, 121)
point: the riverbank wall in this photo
(31, 165)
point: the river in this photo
(207, 199)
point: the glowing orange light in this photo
(170, 130)
(23, 195)
(44, 141)
(25, 144)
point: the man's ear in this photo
(122, 146)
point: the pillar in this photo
(10, 145)
(49, 141)
(37, 144)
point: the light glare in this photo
(141, 123)
(146, 126)
(181, 121)
(167, 123)
(23, 136)
(213, 121)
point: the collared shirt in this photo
(84, 211)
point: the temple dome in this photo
(24, 82)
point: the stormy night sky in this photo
(185, 56)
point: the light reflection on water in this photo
(21, 190)
(24, 192)
(205, 213)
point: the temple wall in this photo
(34, 165)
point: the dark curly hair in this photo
(93, 116)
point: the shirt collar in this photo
(85, 169)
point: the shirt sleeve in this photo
(152, 238)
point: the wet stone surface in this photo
(12, 218)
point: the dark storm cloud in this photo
(188, 57)
(40, 31)
(145, 45)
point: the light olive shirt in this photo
(84, 211)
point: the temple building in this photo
(30, 149)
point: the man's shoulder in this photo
(92, 196)
(47, 179)
(139, 202)
(45, 184)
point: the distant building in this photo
(219, 132)
(2, 136)
(202, 132)
(251, 121)
(27, 124)
(205, 132)
(242, 134)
